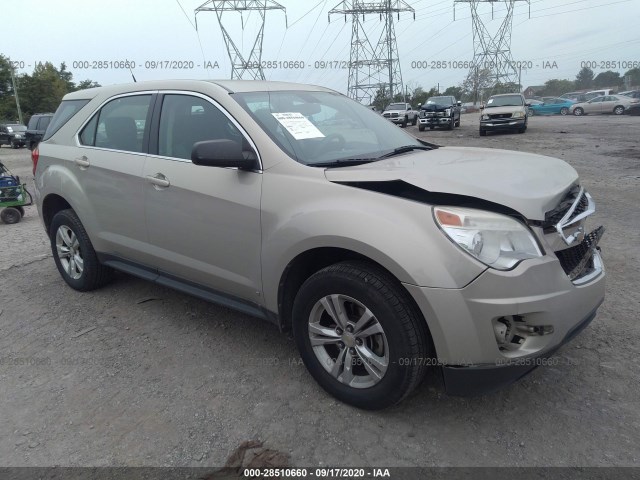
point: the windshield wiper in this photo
(343, 162)
(404, 149)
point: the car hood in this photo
(395, 111)
(496, 110)
(527, 183)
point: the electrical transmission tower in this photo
(492, 52)
(241, 68)
(373, 67)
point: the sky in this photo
(94, 37)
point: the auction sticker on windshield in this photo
(298, 125)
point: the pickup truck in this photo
(401, 113)
(441, 111)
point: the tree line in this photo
(38, 92)
(479, 84)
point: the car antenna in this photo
(134, 77)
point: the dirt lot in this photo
(136, 374)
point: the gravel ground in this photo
(136, 374)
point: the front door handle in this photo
(82, 162)
(158, 180)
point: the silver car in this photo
(385, 255)
(615, 104)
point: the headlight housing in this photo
(485, 117)
(496, 240)
(517, 115)
(447, 112)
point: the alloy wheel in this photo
(69, 253)
(348, 341)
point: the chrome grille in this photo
(578, 261)
(569, 214)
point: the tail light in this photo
(35, 155)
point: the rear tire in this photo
(74, 255)
(10, 215)
(564, 111)
(391, 336)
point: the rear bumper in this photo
(482, 379)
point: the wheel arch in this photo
(52, 204)
(306, 263)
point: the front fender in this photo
(397, 233)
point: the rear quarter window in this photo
(66, 110)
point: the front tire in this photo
(483, 132)
(421, 127)
(74, 255)
(619, 110)
(564, 111)
(414, 121)
(578, 112)
(359, 335)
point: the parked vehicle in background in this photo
(13, 134)
(36, 128)
(615, 104)
(441, 111)
(507, 111)
(533, 101)
(575, 96)
(401, 114)
(631, 93)
(383, 254)
(551, 106)
(633, 109)
(598, 93)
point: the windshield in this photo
(397, 106)
(505, 101)
(439, 100)
(16, 128)
(317, 128)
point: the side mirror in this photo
(459, 104)
(409, 108)
(419, 105)
(482, 106)
(222, 153)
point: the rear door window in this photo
(119, 125)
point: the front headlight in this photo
(518, 115)
(485, 117)
(447, 112)
(498, 241)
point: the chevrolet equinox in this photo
(384, 254)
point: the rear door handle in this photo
(158, 180)
(82, 162)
